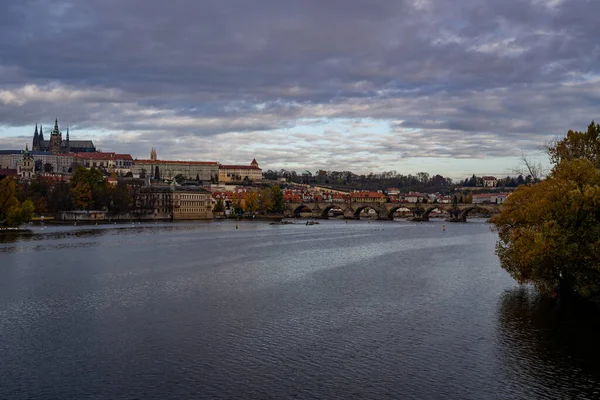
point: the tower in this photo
(41, 137)
(25, 165)
(56, 139)
(68, 144)
(153, 154)
(254, 163)
(36, 139)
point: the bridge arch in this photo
(466, 211)
(360, 208)
(326, 209)
(300, 208)
(392, 210)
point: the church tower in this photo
(254, 163)
(36, 140)
(68, 145)
(25, 165)
(56, 139)
(153, 154)
(41, 136)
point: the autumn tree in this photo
(266, 200)
(550, 231)
(13, 212)
(251, 200)
(81, 195)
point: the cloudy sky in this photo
(444, 86)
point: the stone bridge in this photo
(420, 211)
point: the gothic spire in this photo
(36, 137)
(55, 126)
(41, 137)
(67, 133)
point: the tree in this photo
(251, 200)
(178, 178)
(277, 199)
(94, 182)
(121, 199)
(81, 194)
(48, 168)
(533, 170)
(156, 173)
(20, 213)
(8, 196)
(237, 207)
(577, 145)
(219, 206)
(549, 231)
(266, 200)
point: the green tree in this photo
(237, 207)
(121, 199)
(277, 199)
(92, 179)
(20, 213)
(219, 206)
(179, 178)
(48, 168)
(8, 196)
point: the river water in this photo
(332, 311)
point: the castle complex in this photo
(56, 144)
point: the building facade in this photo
(56, 144)
(26, 165)
(205, 171)
(59, 163)
(175, 202)
(239, 173)
(111, 162)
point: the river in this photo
(382, 309)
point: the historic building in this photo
(205, 171)
(111, 162)
(44, 161)
(56, 144)
(175, 202)
(239, 173)
(26, 165)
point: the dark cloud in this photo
(464, 79)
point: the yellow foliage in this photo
(550, 231)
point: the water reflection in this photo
(548, 347)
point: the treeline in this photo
(372, 181)
(87, 190)
(477, 181)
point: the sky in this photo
(453, 87)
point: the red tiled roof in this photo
(238, 167)
(175, 162)
(8, 172)
(367, 195)
(102, 156)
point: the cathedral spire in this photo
(55, 126)
(36, 138)
(41, 137)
